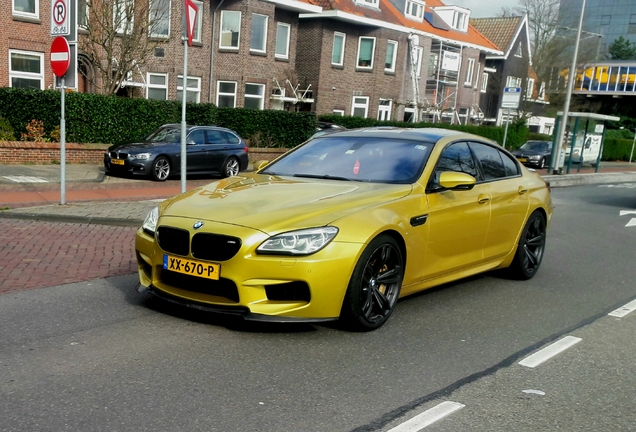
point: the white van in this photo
(588, 153)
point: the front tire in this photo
(530, 248)
(161, 169)
(542, 163)
(231, 167)
(375, 285)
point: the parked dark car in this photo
(210, 150)
(534, 153)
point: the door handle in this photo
(483, 199)
(522, 190)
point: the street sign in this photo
(60, 56)
(70, 78)
(60, 18)
(511, 97)
(191, 10)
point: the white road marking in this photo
(622, 185)
(428, 417)
(550, 351)
(632, 222)
(626, 212)
(25, 179)
(624, 310)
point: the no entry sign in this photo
(60, 56)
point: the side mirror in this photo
(190, 142)
(452, 180)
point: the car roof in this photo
(190, 127)
(417, 134)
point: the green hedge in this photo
(617, 149)
(517, 132)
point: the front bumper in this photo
(270, 288)
(139, 167)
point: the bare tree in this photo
(119, 37)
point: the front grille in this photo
(174, 240)
(220, 288)
(118, 155)
(292, 291)
(214, 247)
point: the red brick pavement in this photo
(42, 254)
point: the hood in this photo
(139, 147)
(520, 152)
(273, 204)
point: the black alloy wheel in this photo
(530, 248)
(161, 169)
(231, 167)
(375, 285)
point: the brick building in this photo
(386, 59)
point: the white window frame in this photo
(470, 69)
(27, 75)
(150, 85)
(80, 4)
(460, 21)
(358, 66)
(512, 81)
(286, 54)
(372, 3)
(151, 9)
(530, 88)
(542, 91)
(196, 90)
(418, 66)
(339, 112)
(384, 110)
(219, 94)
(261, 97)
(198, 26)
(359, 104)
(128, 26)
(238, 40)
(394, 57)
(419, 9)
(263, 35)
(35, 14)
(484, 82)
(342, 48)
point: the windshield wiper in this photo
(324, 177)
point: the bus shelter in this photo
(582, 143)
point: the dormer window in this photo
(372, 3)
(414, 10)
(456, 17)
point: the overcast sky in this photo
(483, 8)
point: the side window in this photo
(457, 157)
(231, 138)
(512, 169)
(489, 157)
(216, 137)
(196, 137)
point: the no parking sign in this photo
(60, 18)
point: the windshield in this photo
(380, 160)
(167, 134)
(537, 145)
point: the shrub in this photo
(6, 130)
(34, 131)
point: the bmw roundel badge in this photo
(197, 225)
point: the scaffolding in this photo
(442, 83)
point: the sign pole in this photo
(506, 129)
(184, 87)
(63, 147)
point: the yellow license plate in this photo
(522, 160)
(193, 268)
(117, 161)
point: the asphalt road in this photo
(99, 356)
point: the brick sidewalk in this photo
(43, 254)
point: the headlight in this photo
(150, 223)
(140, 156)
(535, 157)
(302, 242)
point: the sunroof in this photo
(435, 21)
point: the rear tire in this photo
(530, 248)
(161, 169)
(231, 167)
(374, 287)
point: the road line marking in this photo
(626, 212)
(428, 417)
(25, 179)
(550, 351)
(632, 222)
(624, 310)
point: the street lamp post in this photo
(566, 106)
